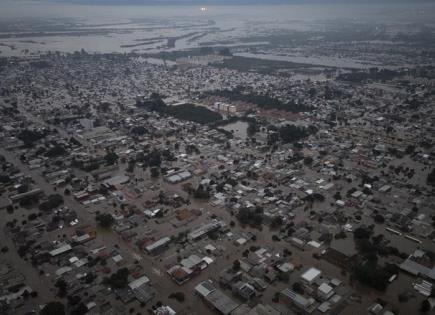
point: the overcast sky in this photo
(120, 2)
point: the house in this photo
(220, 302)
(62, 249)
(139, 282)
(311, 275)
(419, 264)
(229, 276)
(187, 268)
(286, 267)
(205, 229)
(30, 193)
(342, 253)
(194, 262)
(177, 177)
(244, 290)
(214, 298)
(180, 274)
(325, 291)
(259, 309)
(157, 246)
(291, 298)
(164, 310)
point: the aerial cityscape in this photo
(217, 157)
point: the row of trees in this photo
(431, 178)
(263, 101)
(289, 133)
(188, 112)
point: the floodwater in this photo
(239, 129)
(319, 61)
(37, 26)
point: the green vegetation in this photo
(139, 130)
(105, 220)
(53, 308)
(368, 271)
(179, 296)
(289, 133)
(373, 74)
(372, 275)
(236, 265)
(53, 202)
(56, 150)
(111, 158)
(262, 101)
(252, 217)
(425, 306)
(431, 178)
(201, 192)
(62, 287)
(29, 137)
(264, 66)
(188, 112)
(119, 279)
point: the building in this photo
(205, 229)
(325, 291)
(259, 309)
(215, 298)
(291, 298)
(311, 275)
(244, 290)
(64, 248)
(157, 246)
(419, 264)
(341, 253)
(178, 177)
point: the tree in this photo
(130, 167)
(276, 222)
(425, 306)
(89, 278)
(236, 265)
(57, 150)
(201, 192)
(275, 238)
(81, 309)
(154, 172)
(251, 217)
(139, 130)
(53, 308)
(371, 275)
(431, 178)
(62, 286)
(362, 233)
(119, 279)
(105, 220)
(111, 158)
(298, 288)
(10, 209)
(29, 137)
(52, 202)
(283, 276)
(379, 219)
(225, 52)
(179, 296)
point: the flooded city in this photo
(225, 157)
